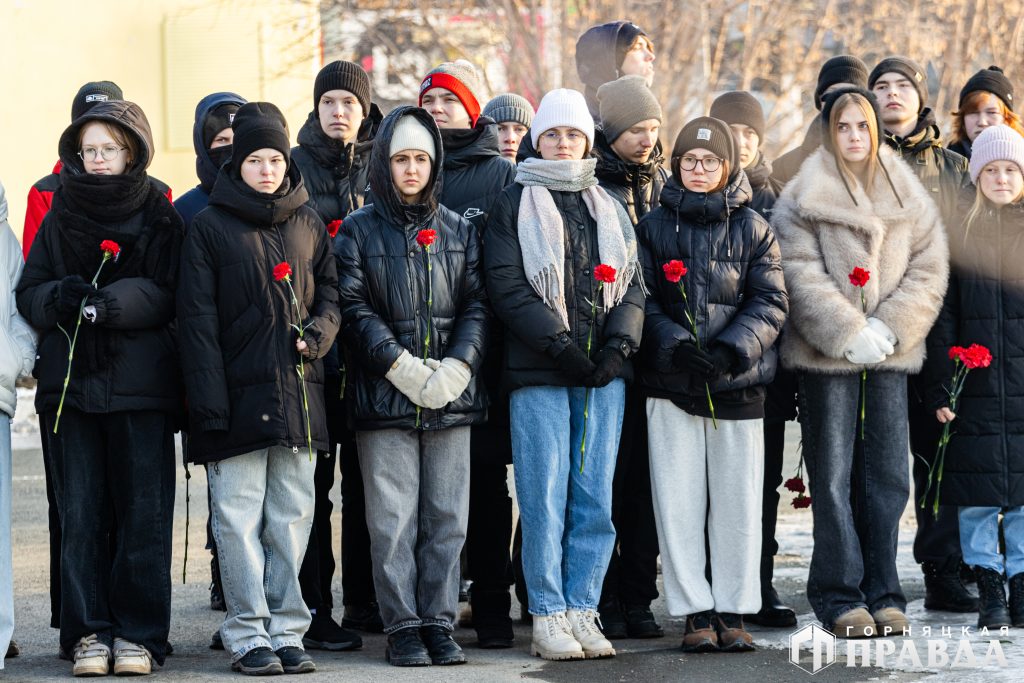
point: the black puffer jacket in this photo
(475, 173)
(128, 362)
(384, 287)
(788, 165)
(237, 345)
(763, 187)
(534, 334)
(736, 291)
(335, 174)
(984, 305)
(636, 186)
(942, 172)
(196, 199)
(962, 147)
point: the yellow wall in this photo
(165, 55)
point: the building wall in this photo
(165, 55)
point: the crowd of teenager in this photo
(417, 300)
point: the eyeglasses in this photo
(709, 164)
(108, 153)
(574, 137)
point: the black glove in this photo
(688, 358)
(723, 358)
(101, 308)
(70, 292)
(609, 362)
(573, 361)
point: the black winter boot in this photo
(216, 591)
(1017, 600)
(992, 609)
(491, 618)
(944, 588)
(613, 621)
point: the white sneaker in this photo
(131, 659)
(552, 638)
(584, 630)
(92, 658)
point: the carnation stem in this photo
(696, 337)
(586, 400)
(301, 368)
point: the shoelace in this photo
(585, 623)
(89, 646)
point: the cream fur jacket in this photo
(824, 235)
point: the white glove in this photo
(432, 363)
(867, 348)
(447, 384)
(409, 375)
(884, 330)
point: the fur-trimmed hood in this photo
(893, 229)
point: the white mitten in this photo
(432, 363)
(447, 384)
(884, 330)
(409, 375)
(865, 349)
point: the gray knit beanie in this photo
(624, 103)
(510, 108)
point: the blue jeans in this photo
(566, 514)
(6, 583)
(859, 487)
(979, 538)
(262, 506)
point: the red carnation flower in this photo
(674, 270)
(333, 227)
(111, 247)
(976, 356)
(859, 277)
(282, 271)
(426, 237)
(796, 485)
(801, 501)
(956, 352)
(604, 273)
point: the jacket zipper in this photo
(280, 361)
(707, 275)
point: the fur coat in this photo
(824, 235)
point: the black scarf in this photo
(104, 198)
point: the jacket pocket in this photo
(239, 334)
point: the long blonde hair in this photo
(847, 100)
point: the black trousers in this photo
(115, 471)
(317, 570)
(774, 450)
(53, 516)
(489, 532)
(632, 574)
(936, 540)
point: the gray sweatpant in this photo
(694, 464)
(417, 509)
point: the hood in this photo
(127, 115)
(335, 154)
(611, 167)
(206, 169)
(467, 146)
(924, 135)
(706, 207)
(264, 210)
(385, 195)
(597, 57)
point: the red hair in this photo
(971, 104)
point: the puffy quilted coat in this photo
(636, 186)
(237, 344)
(735, 289)
(475, 173)
(534, 334)
(984, 305)
(384, 287)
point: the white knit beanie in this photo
(411, 134)
(997, 143)
(563, 107)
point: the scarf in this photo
(105, 198)
(541, 230)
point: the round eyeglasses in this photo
(108, 153)
(709, 164)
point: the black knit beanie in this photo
(217, 120)
(347, 76)
(739, 107)
(907, 68)
(830, 102)
(258, 125)
(991, 80)
(92, 94)
(840, 69)
(711, 134)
